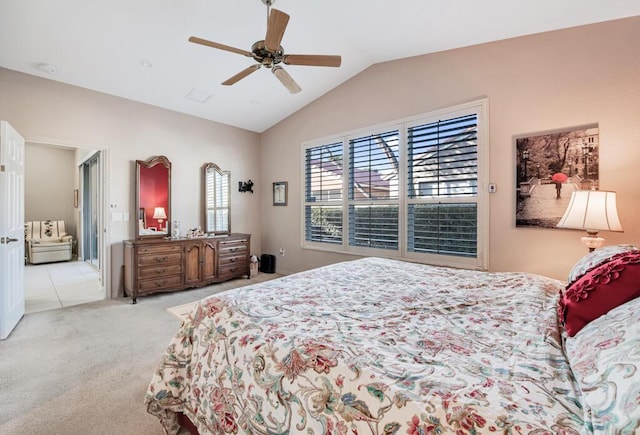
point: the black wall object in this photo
(245, 186)
(268, 263)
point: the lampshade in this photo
(591, 210)
(159, 213)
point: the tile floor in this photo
(54, 285)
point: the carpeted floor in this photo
(85, 369)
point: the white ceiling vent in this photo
(198, 95)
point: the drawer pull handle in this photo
(161, 259)
(161, 283)
(161, 271)
(232, 260)
(233, 249)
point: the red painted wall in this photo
(154, 183)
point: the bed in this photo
(378, 346)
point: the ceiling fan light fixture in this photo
(286, 79)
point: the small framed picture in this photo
(75, 198)
(280, 193)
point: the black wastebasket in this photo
(268, 263)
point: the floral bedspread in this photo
(372, 346)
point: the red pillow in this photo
(600, 290)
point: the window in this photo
(409, 190)
(216, 184)
(323, 193)
(442, 185)
(373, 191)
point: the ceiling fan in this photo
(270, 54)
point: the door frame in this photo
(104, 223)
(81, 208)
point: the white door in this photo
(11, 229)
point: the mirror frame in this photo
(215, 169)
(149, 163)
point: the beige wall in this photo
(45, 111)
(49, 179)
(536, 83)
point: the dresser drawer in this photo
(168, 282)
(160, 249)
(158, 271)
(232, 270)
(233, 247)
(160, 258)
(231, 259)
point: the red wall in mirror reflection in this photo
(154, 184)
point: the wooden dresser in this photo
(161, 265)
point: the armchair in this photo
(47, 241)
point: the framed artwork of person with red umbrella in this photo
(549, 167)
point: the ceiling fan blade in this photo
(276, 26)
(201, 41)
(242, 74)
(311, 60)
(286, 79)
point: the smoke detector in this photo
(46, 68)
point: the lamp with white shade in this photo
(593, 211)
(159, 214)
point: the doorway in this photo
(79, 173)
(90, 176)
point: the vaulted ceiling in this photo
(139, 49)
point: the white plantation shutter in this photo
(442, 186)
(222, 203)
(408, 190)
(217, 202)
(373, 191)
(323, 169)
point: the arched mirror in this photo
(153, 197)
(217, 210)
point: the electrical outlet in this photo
(492, 188)
(282, 252)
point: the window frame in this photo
(480, 261)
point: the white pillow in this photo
(597, 257)
(605, 359)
